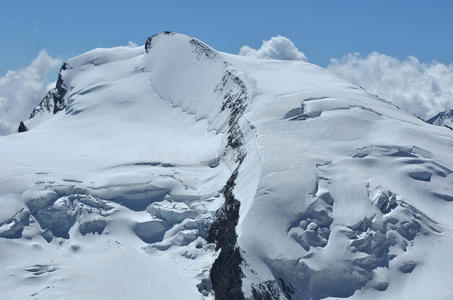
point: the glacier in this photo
(175, 171)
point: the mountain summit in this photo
(444, 118)
(175, 171)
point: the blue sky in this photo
(321, 29)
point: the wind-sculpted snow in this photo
(174, 171)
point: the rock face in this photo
(53, 101)
(226, 275)
(148, 43)
(175, 171)
(444, 118)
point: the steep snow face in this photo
(351, 191)
(444, 118)
(174, 171)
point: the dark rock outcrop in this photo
(266, 290)
(226, 274)
(22, 127)
(53, 101)
(202, 50)
(148, 43)
(235, 100)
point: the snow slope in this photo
(174, 171)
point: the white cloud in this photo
(22, 89)
(278, 47)
(131, 44)
(422, 89)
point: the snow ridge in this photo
(225, 275)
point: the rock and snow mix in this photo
(174, 171)
(444, 118)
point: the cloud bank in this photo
(278, 47)
(422, 89)
(22, 89)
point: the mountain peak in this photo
(173, 164)
(444, 118)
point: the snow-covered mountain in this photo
(444, 118)
(174, 171)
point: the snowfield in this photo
(174, 171)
